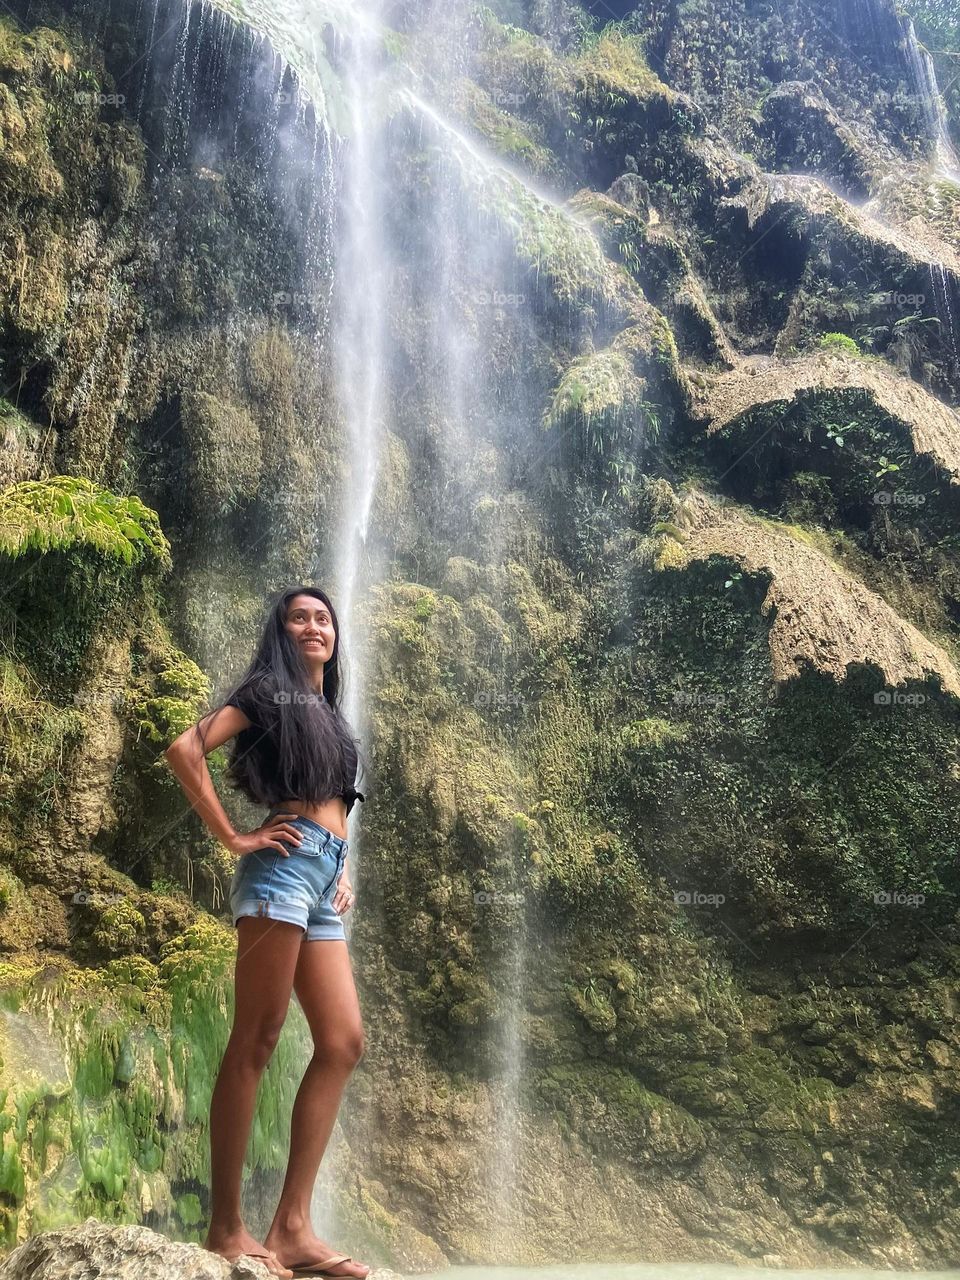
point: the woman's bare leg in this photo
(327, 994)
(267, 954)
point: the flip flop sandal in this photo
(322, 1268)
(263, 1256)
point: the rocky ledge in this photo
(101, 1251)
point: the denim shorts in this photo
(296, 889)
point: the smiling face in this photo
(310, 627)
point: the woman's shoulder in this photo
(253, 697)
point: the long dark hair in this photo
(298, 742)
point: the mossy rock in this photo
(611, 1111)
(75, 554)
(225, 452)
(170, 690)
(71, 513)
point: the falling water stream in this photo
(886, 26)
(361, 274)
(946, 296)
(894, 36)
(928, 91)
(335, 54)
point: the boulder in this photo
(102, 1251)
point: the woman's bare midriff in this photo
(331, 814)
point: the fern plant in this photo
(69, 511)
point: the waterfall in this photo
(874, 21)
(879, 22)
(885, 29)
(318, 95)
(928, 90)
(363, 273)
(947, 307)
(339, 56)
(464, 402)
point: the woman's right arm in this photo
(187, 756)
(188, 760)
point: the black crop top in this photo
(348, 791)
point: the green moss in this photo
(668, 540)
(809, 536)
(551, 242)
(610, 1109)
(35, 738)
(604, 396)
(424, 608)
(270, 367)
(622, 231)
(509, 136)
(70, 512)
(396, 44)
(120, 927)
(594, 1006)
(651, 732)
(140, 1077)
(615, 61)
(12, 1184)
(63, 290)
(82, 555)
(225, 452)
(839, 342)
(133, 970)
(189, 1209)
(665, 347)
(171, 698)
(593, 387)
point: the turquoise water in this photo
(670, 1271)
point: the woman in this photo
(294, 752)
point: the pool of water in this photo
(668, 1271)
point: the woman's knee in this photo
(343, 1049)
(267, 954)
(254, 1046)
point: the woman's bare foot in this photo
(300, 1244)
(237, 1243)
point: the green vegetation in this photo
(70, 513)
(840, 342)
